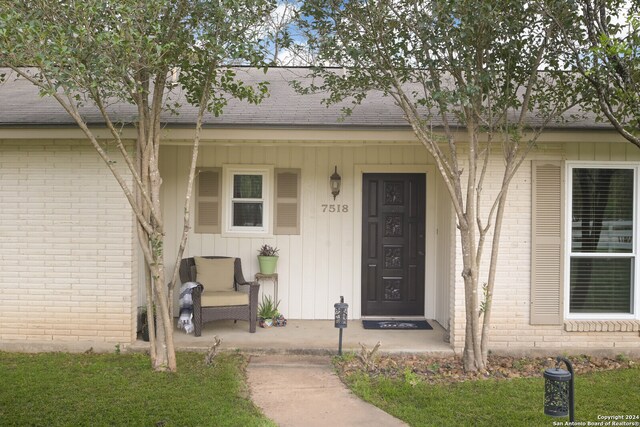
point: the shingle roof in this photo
(21, 105)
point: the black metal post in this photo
(340, 320)
(571, 396)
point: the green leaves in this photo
(470, 57)
(601, 39)
(451, 66)
(117, 50)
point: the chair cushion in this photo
(219, 299)
(215, 274)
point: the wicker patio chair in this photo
(214, 308)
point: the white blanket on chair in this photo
(185, 321)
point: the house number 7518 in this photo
(335, 208)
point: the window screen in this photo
(247, 202)
(602, 244)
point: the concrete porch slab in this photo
(310, 337)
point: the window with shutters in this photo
(602, 266)
(241, 201)
(247, 193)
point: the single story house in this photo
(70, 268)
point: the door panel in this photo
(393, 243)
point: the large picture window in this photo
(602, 255)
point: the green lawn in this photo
(516, 402)
(59, 389)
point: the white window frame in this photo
(228, 172)
(635, 296)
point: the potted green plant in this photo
(268, 259)
(267, 311)
(144, 322)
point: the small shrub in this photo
(411, 377)
(368, 358)
(346, 357)
(519, 364)
(268, 309)
(622, 357)
(434, 367)
(268, 250)
(211, 352)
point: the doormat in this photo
(396, 324)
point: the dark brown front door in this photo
(393, 242)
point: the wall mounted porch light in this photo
(336, 181)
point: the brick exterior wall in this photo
(66, 248)
(511, 331)
(69, 270)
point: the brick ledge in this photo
(602, 325)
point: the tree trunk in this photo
(471, 357)
(165, 359)
(151, 318)
(493, 264)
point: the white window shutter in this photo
(208, 191)
(546, 243)
(287, 201)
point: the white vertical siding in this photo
(445, 234)
(317, 266)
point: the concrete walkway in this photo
(304, 391)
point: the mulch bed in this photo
(450, 369)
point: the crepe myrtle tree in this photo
(97, 53)
(473, 79)
(278, 32)
(285, 45)
(602, 38)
